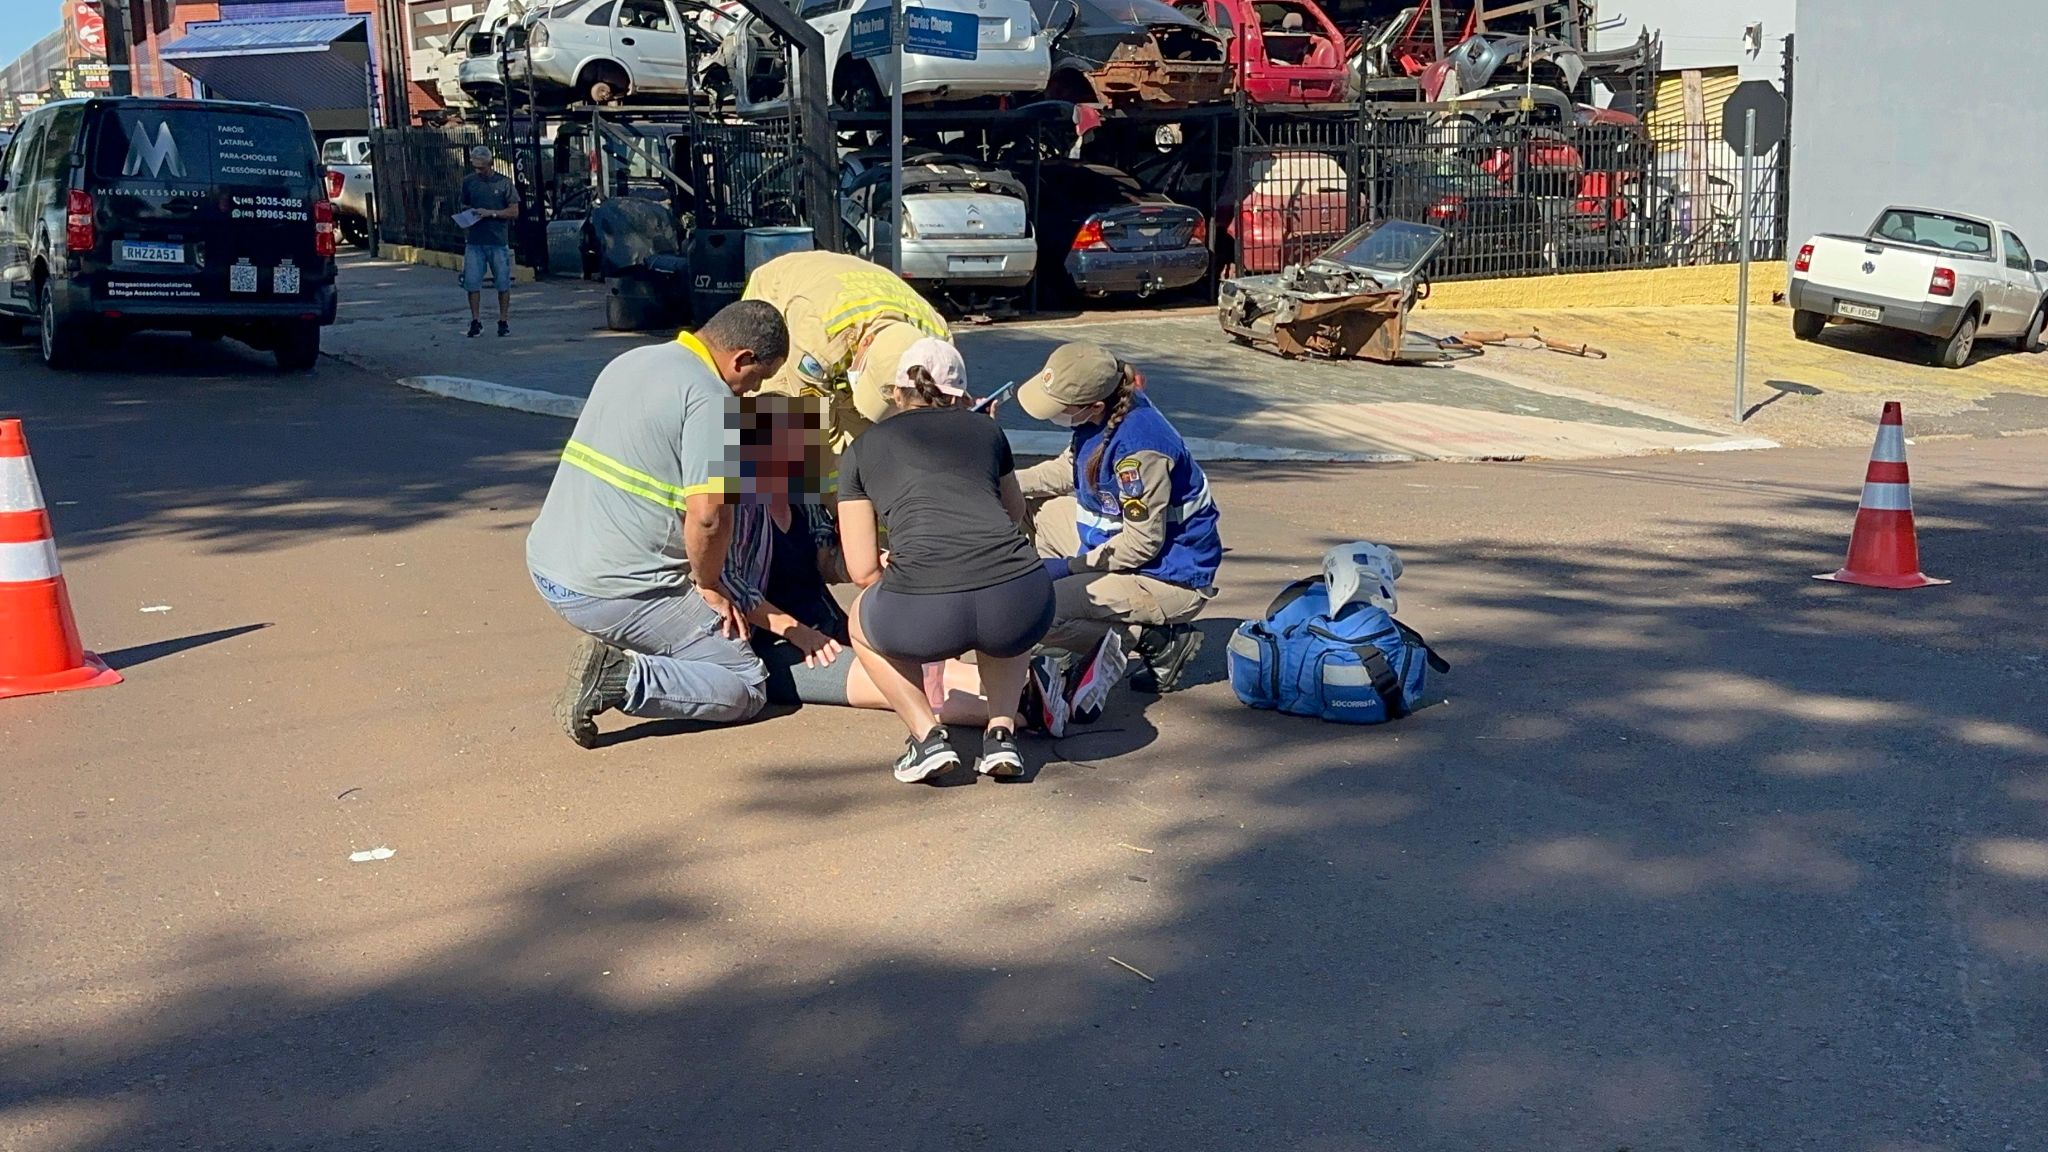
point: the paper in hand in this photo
(466, 218)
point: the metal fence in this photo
(419, 173)
(1518, 198)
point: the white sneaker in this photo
(1103, 672)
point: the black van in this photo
(201, 216)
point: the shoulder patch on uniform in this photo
(1130, 479)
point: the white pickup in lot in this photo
(1945, 275)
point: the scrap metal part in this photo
(1145, 72)
(1532, 339)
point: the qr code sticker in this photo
(242, 277)
(285, 281)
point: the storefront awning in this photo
(314, 65)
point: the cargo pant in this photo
(1086, 605)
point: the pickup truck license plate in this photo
(1858, 311)
(973, 263)
(153, 253)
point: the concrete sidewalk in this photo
(1235, 403)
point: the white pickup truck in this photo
(350, 185)
(1945, 275)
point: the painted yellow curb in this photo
(1634, 288)
(407, 254)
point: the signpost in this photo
(1753, 118)
(928, 32)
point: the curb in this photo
(1024, 442)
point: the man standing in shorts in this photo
(630, 545)
(487, 247)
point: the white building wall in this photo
(1704, 33)
(1911, 102)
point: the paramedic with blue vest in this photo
(1123, 517)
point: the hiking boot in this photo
(476, 328)
(596, 685)
(504, 328)
(1163, 658)
(999, 757)
(1044, 707)
(922, 758)
(1104, 671)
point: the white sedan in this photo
(598, 51)
(1013, 57)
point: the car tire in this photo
(2031, 342)
(61, 342)
(1954, 352)
(1807, 325)
(355, 231)
(857, 90)
(298, 346)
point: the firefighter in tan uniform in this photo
(849, 323)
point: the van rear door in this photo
(205, 203)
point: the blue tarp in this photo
(288, 62)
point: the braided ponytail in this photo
(1118, 405)
(926, 388)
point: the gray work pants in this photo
(684, 668)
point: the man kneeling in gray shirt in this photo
(630, 545)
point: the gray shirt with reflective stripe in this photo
(652, 433)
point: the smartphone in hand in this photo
(996, 397)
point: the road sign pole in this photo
(897, 216)
(1742, 275)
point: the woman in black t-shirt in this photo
(960, 575)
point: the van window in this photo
(58, 141)
(204, 146)
(18, 152)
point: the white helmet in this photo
(1361, 572)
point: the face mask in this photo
(1064, 419)
(852, 377)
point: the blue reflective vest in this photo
(1193, 547)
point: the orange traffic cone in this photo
(39, 648)
(1883, 550)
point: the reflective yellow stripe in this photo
(689, 340)
(859, 311)
(629, 479)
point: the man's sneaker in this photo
(1090, 689)
(596, 684)
(922, 758)
(999, 756)
(1044, 705)
(504, 328)
(476, 327)
(1163, 658)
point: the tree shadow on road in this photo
(1699, 855)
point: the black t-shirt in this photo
(794, 583)
(934, 476)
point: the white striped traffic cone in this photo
(1883, 549)
(39, 648)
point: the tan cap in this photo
(1074, 374)
(873, 371)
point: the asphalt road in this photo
(1700, 854)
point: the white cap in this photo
(940, 359)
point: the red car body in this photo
(1282, 51)
(1295, 205)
